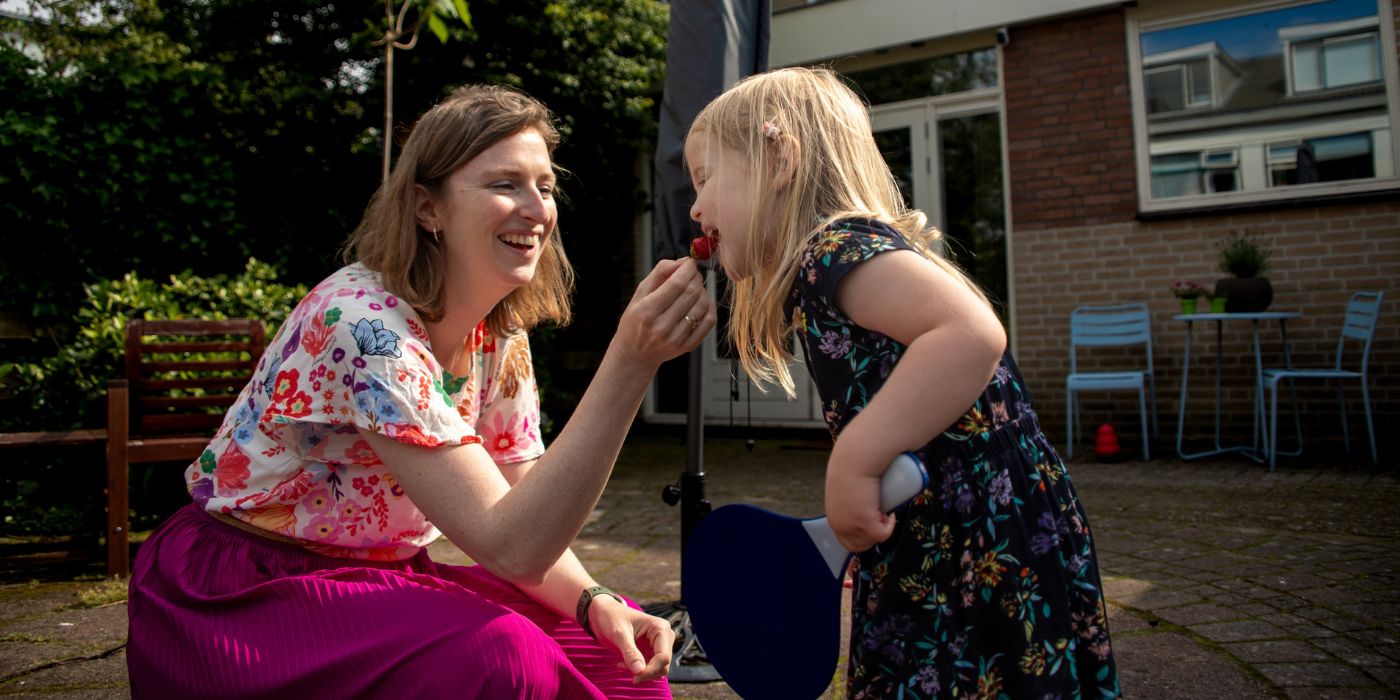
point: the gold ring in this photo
(691, 322)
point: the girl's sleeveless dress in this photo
(989, 587)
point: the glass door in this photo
(946, 157)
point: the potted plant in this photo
(1246, 260)
(1187, 292)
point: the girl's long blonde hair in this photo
(408, 258)
(826, 153)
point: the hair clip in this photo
(771, 130)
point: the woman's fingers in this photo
(669, 315)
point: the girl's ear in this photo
(786, 153)
(424, 208)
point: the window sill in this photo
(1292, 203)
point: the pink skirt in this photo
(216, 612)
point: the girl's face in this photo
(723, 200)
(495, 214)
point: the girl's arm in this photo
(519, 533)
(954, 342)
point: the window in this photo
(1332, 55)
(1262, 102)
(1194, 172)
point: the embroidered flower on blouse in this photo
(374, 339)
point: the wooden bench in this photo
(180, 377)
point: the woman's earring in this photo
(436, 238)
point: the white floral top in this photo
(288, 457)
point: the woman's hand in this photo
(669, 314)
(644, 641)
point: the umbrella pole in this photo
(688, 661)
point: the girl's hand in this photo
(853, 505)
(669, 315)
(643, 641)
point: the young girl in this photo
(986, 585)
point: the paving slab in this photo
(1223, 580)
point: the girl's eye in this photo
(547, 190)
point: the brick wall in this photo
(1076, 240)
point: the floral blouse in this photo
(289, 457)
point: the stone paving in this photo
(1224, 580)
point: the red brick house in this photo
(1088, 152)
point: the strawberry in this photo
(703, 248)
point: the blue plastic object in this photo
(1110, 326)
(1362, 315)
(763, 591)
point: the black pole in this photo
(688, 661)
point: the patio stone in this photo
(1325, 673)
(1283, 650)
(1238, 631)
(1289, 579)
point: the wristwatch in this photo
(585, 600)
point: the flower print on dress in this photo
(835, 345)
(504, 437)
(279, 518)
(516, 369)
(322, 528)
(319, 501)
(231, 473)
(374, 339)
(375, 401)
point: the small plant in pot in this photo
(1187, 292)
(1246, 259)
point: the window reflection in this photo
(1270, 99)
(941, 75)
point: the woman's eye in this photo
(547, 190)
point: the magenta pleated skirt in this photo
(216, 612)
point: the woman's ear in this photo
(786, 153)
(425, 209)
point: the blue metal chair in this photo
(1363, 313)
(1110, 326)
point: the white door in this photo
(731, 398)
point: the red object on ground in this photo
(1106, 442)
(703, 247)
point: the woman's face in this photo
(495, 213)
(723, 199)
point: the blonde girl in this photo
(987, 584)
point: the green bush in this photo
(66, 389)
(54, 492)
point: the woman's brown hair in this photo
(408, 258)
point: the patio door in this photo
(945, 154)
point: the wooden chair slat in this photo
(222, 346)
(233, 384)
(149, 368)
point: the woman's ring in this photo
(691, 322)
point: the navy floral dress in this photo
(989, 587)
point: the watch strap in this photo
(585, 601)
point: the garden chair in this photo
(1120, 325)
(1362, 314)
(180, 378)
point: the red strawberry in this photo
(703, 247)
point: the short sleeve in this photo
(357, 356)
(509, 423)
(836, 251)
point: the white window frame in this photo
(1142, 20)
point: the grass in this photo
(105, 592)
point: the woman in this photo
(398, 403)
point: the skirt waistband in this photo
(253, 529)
